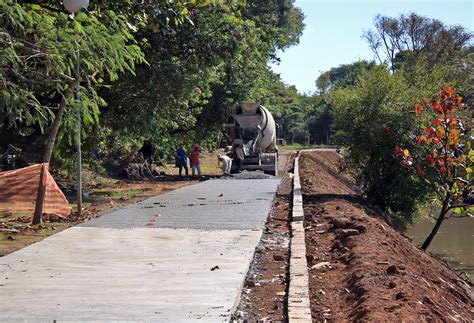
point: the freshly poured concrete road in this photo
(210, 205)
(133, 265)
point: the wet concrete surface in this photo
(138, 274)
(178, 257)
(214, 204)
(250, 175)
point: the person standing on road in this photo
(238, 148)
(194, 157)
(182, 159)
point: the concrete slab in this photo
(138, 274)
(214, 205)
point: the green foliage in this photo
(342, 76)
(39, 54)
(201, 69)
(301, 119)
(365, 118)
(408, 38)
(286, 105)
(201, 57)
(279, 22)
(370, 106)
(320, 119)
(374, 117)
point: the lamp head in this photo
(74, 6)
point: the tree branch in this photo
(63, 79)
(458, 205)
(43, 5)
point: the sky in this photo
(332, 35)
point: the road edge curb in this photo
(299, 306)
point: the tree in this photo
(194, 74)
(405, 39)
(202, 56)
(107, 43)
(442, 155)
(362, 114)
(40, 48)
(319, 118)
(39, 54)
(280, 23)
(287, 107)
(342, 76)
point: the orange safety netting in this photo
(19, 187)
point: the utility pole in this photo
(78, 137)
(74, 6)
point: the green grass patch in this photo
(117, 193)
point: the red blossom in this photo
(449, 91)
(441, 140)
(418, 109)
(398, 151)
(430, 159)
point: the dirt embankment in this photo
(362, 269)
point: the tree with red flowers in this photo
(442, 155)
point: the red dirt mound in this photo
(362, 269)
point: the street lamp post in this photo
(74, 6)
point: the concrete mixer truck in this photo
(253, 129)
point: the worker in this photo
(181, 159)
(225, 163)
(238, 149)
(194, 157)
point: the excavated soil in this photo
(362, 269)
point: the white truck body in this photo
(255, 126)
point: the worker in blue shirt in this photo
(182, 159)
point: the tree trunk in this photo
(57, 122)
(439, 221)
(38, 215)
(39, 205)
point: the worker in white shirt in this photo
(225, 163)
